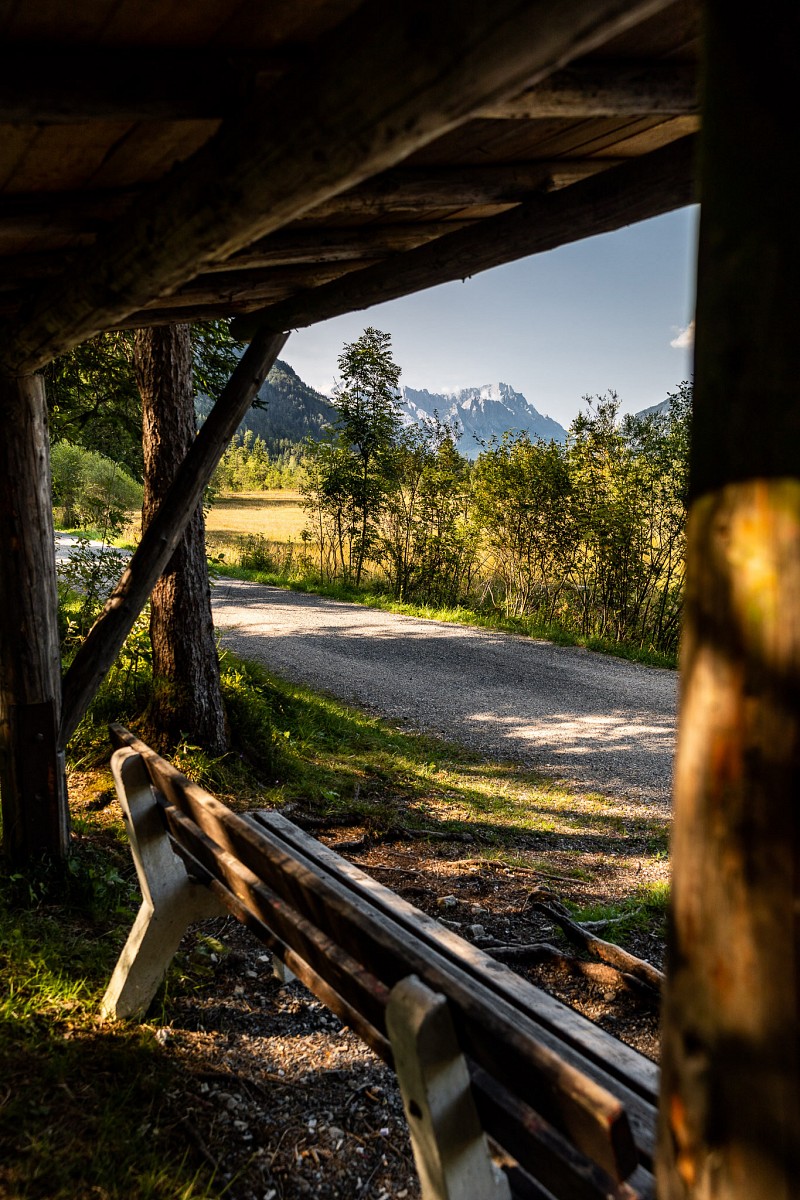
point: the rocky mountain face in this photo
(288, 410)
(482, 413)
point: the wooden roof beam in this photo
(295, 247)
(606, 89)
(399, 190)
(107, 84)
(382, 84)
(645, 187)
(169, 85)
(419, 189)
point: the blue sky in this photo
(596, 315)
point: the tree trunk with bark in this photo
(34, 796)
(730, 1109)
(187, 699)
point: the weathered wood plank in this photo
(657, 183)
(109, 84)
(424, 188)
(383, 83)
(594, 1045)
(35, 815)
(165, 530)
(606, 89)
(490, 1031)
(151, 85)
(324, 968)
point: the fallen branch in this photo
(603, 974)
(608, 952)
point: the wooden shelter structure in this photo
(285, 162)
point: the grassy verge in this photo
(88, 1109)
(372, 597)
(85, 1109)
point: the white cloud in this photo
(685, 338)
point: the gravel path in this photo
(601, 723)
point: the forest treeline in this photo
(584, 538)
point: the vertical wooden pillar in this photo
(31, 770)
(730, 1122)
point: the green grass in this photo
(88, 1109)
(84, 1107)
(645, 911)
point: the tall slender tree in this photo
(369, 423)
(187, 698)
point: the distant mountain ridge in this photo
(482, 413)
(289, 410)
(286, 409)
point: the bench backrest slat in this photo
(614, 1058)
(357, 940)
(519, 1127)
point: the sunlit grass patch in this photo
(276, 514)
(644, 911)
(85, 1108)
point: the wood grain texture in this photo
(380, 85)
(606, 89)
(730, 1117)
(34, 803)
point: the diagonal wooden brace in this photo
(171, 900)
(450, 1148)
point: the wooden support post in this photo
(165, 530)
(730, 1114)
(31, 770)
(171, 901)
(450, 1149)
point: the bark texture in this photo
(31, 770)
(730, 1112)
(187, 700)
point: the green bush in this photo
(90, 489)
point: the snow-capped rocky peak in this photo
(482, 413)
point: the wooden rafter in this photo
(401, 189)
(382, 84)
(125, 85)
(105, 84)
(645, 187)
(606, 89)
(419, 189)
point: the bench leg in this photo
(171, 901)
(450, 1149)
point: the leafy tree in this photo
(91, 490)
(425, 543)
(368, 423)
(250, 465)
(522, 498)
(350, 471)
(94, 401)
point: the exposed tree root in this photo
(621, 960)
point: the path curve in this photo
(602, 723)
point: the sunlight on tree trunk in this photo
(187, 701)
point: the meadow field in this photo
(275, 514)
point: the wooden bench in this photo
(507, 1091)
